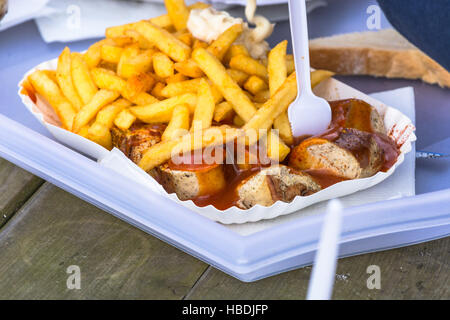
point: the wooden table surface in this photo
(44, 230)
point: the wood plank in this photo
(416, 272)
(55, 230)
(16, 186)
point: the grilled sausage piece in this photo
(190, 184)
(365, 149)
(272, 184)
(354, 154)
(358, 115)
(136, 140)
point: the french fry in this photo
(51, 74)
(162, 65)
(88, 112)
(277, 75)
(235, 50)
(158, 154)
(277, 66)
(220, 46)
(176, 78)
(108, 66)
(238, 121)
(143, 99)
(131, 90)
(238, 49)
(64, 79)
(164, 41)
(157, 90)
(178, 88)
(124, 119)
(189, 68)
(127, 54)
(218, 96)
(186, 38)
(290, 64)
(276, 105)
(239, 76)
(137, 37)
(138, 84)
(82, 79)
(255, 84)
(137, 64)
(283, 125)
(178, 124)
(106, 79)
(189, 86)
(248, 65)
(93, 55)
(163, 151)
(100, 135)
(262, 96)
(47, 88)
(222, 80)
(123, 41)
(198, 5)
(178, 13)
(162, 110)
(223, 111)
(204, 111)
(318, 76)
(265, 116)
(106, 116)
(111, 53)
(118, 31)
(164, 20)
(84, 131)
(199, 44)
(276, 149)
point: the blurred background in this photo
(72, 20)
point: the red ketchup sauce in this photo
(356, 114)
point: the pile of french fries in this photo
(155, 71)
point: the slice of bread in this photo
(383, 53)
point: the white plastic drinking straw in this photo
(323, 273)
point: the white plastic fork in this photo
(308, 114)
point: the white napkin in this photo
(85, 19)
(20, 11)
(400, 184)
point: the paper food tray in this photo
(399, 128)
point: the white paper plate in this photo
(399, 127)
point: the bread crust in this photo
(391, 63)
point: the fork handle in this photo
(299, 32)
